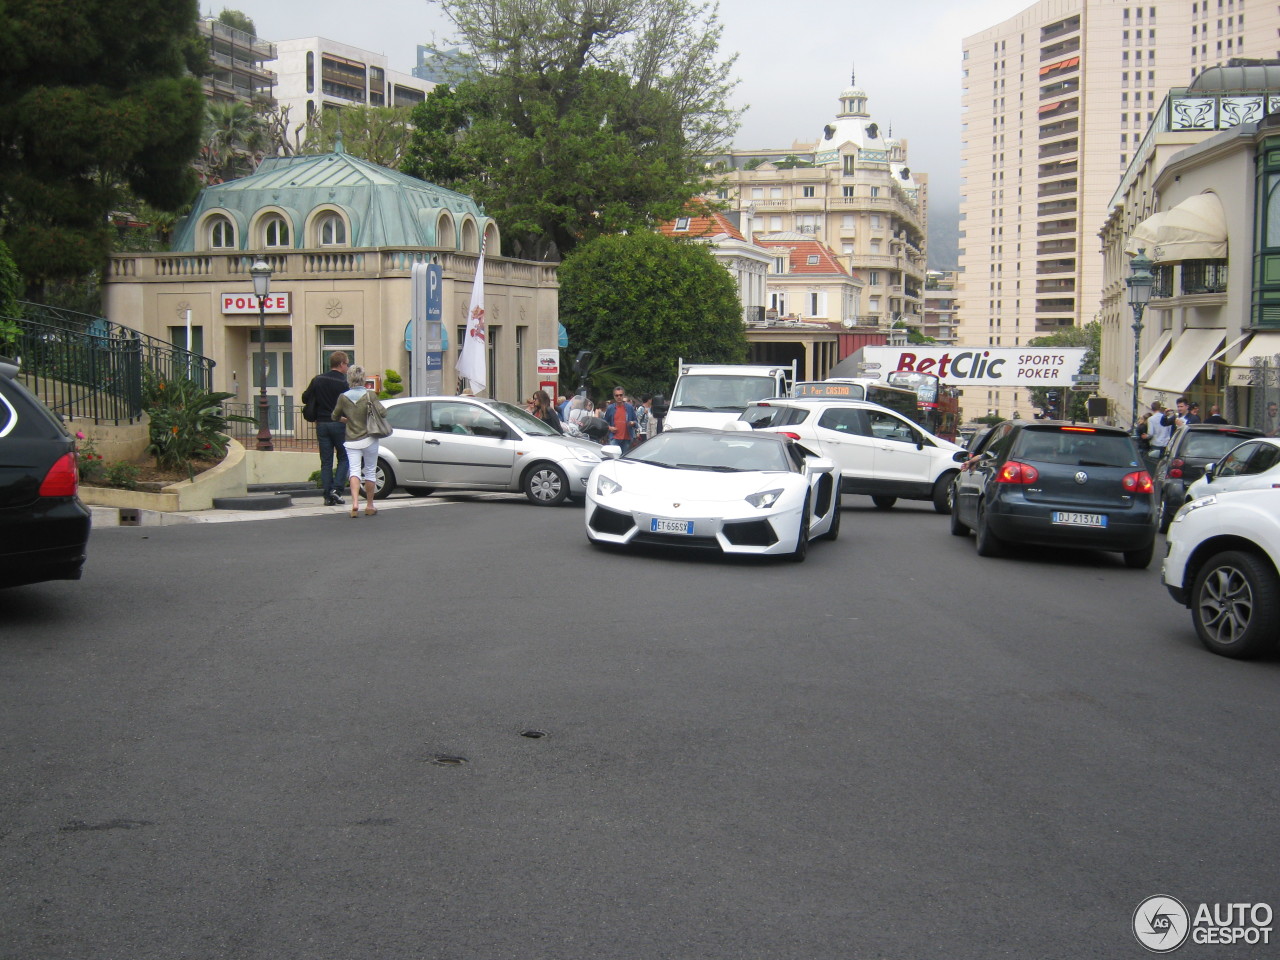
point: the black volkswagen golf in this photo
(1057, 484)
(43, 525)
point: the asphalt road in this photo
(456, 730)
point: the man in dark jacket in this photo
(323, 393)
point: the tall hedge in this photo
(641, 301)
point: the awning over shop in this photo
(1262, 346)
(1151, 358)
(1191, 351)
(1196, 229)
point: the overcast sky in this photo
(794, 59)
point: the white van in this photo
(880, 452)
(713, 394)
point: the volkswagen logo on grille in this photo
(1081, 477)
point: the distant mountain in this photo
(944, 238)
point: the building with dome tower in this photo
(853, 190)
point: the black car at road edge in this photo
(44, 527)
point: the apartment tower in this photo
(1055, 102)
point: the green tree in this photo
(93, 96)
(1089, 336)
(10, 294)
(583, 118)
(235, 140)
(237, 20)
(913, 333)
(380, 135)
(641, 300)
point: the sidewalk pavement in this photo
(111, 516)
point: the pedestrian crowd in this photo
(623, 421)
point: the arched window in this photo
(332, 230)
(446, 235)
(311, 71)
(221, 234)
(275, 232)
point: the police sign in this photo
(248, 303)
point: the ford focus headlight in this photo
(587, 456)
(607, 485)
(764, 499)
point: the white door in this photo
(841, 436)
(279, 368)
(898, 454)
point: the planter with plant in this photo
(187, 423)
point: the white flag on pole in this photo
(473, 358)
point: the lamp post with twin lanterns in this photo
(261, 273)
(1139, 281)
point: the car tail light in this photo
(62, 478)
(1175, 468)
(789, 434)
(1015, 472)
(1139, 482)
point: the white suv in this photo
(880, 453)
(1222, 562)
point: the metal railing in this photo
(87, 367)
(288, 430)
(1204, 276)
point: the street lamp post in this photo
(1139, 281)
(261, 273)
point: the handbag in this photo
(376, 424)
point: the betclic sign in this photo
(248, 303)
(980, 366)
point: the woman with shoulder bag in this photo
(353, 409)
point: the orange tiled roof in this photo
(701, 223)
(801, 253)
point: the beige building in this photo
(939, 318)
(852, 189)
(1056, 103)
(1191, 201)
(341, 236)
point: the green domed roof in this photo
(385, 208)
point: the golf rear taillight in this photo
(1015, 472)
(62, 478)
(1139, 482)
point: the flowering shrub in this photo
(89, 460)
(186, 422)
